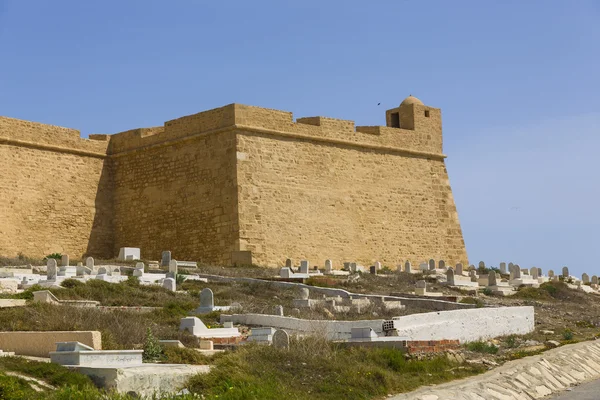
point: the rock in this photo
(531, 343)
(547, 332)
(552, 343)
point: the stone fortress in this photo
(234, 184)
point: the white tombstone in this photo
(116, 271)
(407, 266)
(64, 261)
(481, 265)
(377, 265)
(129, 254)
(304, 266)
(207, 301)
(51, 269)
(102, 271)
(328, 266)
(442, 264)
(138, 272)
(550, 273)
(89, 262)
(169, 284)
(585, 278)
(285, 273)
(139, 265)
(565, 272)
(492, 279)
(165, 260)
(503, 268)
(594, 280)
(533, 272)
(431, 264)
(173, 266)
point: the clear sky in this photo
(518, 83)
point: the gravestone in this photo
(353, 267)
(510, 265)
(51, 269)
(407, 266)
(594, 280)
(373, 270)
(80, 264)
(207, 300)
(540, 272)
(550, 273)
(421, 284)
(89, 262)
(169, 284)
(450, 276)
(585, 278)
(503, 268)
(459, 269)
(533, 272)
(442, 264)
(377, 265)
(138, 272)
(102, 271)
(116, 271)
(279, 310)
(481, 264)
(285, 273)
(304, 266)
(165, 259)
(139, 265)
(64, 261)
(517, 270)
(281, 339)
(328, 266)
(565, 272)
(423, 266)
(492, 279)
(555, 278)
(304, 293)
(432, 264)
(173, 266)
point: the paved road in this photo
(587, 391)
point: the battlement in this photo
(420, 130)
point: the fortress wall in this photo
(178, 196)
(55, 191)
(311, 200)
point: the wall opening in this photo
(395, 120)
(427, 113)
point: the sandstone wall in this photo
(317, 200)
(55, 191)
(40, 344)
(177, 195)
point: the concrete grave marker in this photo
(279, 310)
(565, 272)
(281, 339)
(207, 300)
(492, 279)
(64, 261)
(102, 271)
(129, 254)
(442, 264)
(165, 259)
(407, 266)
(328, 266)
(540, 272)
(459, 269)
(169, 284)
(51, 269)
(377, 265)
(550, 273)
(481, 264)
(304, 267)
(450, 276)
(503, 268)
(585, 278)
(289, 264)
(373, 270)
(594, 280)
(173, 267)
(89, 262)
(431, 264)
(533, 272)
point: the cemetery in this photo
(142, 326)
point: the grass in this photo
(313, 368)
(482, 347)
(472, 300)
(546, 291)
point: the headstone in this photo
(517, 271)
(304, 266)
(550, 273)
(353, 267)
(459, 269)
(64, 261)
(102, 271)
(555, 278)
(594, 280)
(139, 265)
(510, 265)
(421, 284)
(165, 259)
(503, 268)
(585, 278)
(442, 264)
(304, 293)
(207, 299)
(431, 264)
(173, 266)
(450, 276)
(129, 254)
(80, 264)
(377, 265)
(279, 310)
(347, 266)
(51, 269)
(481, 264)
(169, 284)
(89, 262)
(533, 272)
(328, 266)
(539, 272)
(116, 271)
(138, 272)
(407, 266)
(281, 339)
(289, 264)
(492, 279)
(565, 272)
(285, 273)
(423, 266)
(373, 270)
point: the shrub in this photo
(56, 256)
(567, 334)
(71, 283)
(511, 341)
(472, 300)
(152, 349)
(482, 347)
(487, 291)
(179, 279)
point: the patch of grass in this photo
(15, 388)
(487, 291)
(523, 353)
(54, 374)
(546, 291)
(19, 260)
(313, 368)
(511, 341)
(482, 347)
(567, 334)
(178, 355)
(472, 300)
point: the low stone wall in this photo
(40, 344)
(532, 377)
(462, 325)
(467, 325)
(12, 303)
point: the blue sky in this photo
(518, 84)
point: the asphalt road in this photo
(587, 391)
